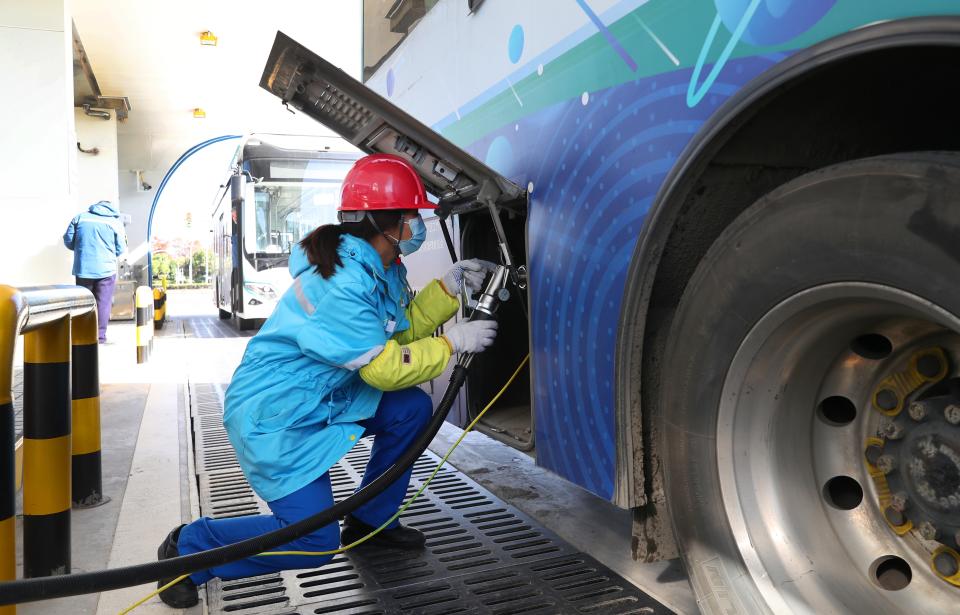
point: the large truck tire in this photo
(810, 411)
(225, 314)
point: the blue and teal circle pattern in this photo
(595, 169)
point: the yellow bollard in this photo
(159, 307)
(87, 488)
(46, 450)
(144, 310)
(11, 313)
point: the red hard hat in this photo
(382, 182)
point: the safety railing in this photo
(61, 423)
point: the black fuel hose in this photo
(46, 588)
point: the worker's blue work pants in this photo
(400, 417)
(102, 290)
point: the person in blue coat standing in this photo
(96, 239)
(340, 357)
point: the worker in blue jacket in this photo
(340, 357)
(96, 239)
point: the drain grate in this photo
(482, 556)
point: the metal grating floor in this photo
(482, 557)
(200, 326)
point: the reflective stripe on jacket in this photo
(319, 364)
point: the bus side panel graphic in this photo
(591, 122)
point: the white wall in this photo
(37, 160)
(96, 175)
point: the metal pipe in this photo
(501, 234)
(103, 115)
(45, 304)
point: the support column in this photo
(46, 450)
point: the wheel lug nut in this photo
(928, 530)
(946, 564)
(892, 430)
(899, 501)
(917, 411)
(894, 516)
(886, 463)
(952, 414)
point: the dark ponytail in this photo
(322, 243)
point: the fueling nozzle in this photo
(494, 293)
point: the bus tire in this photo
(825, 287)
(246, 324)
(225, 314)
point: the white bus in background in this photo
(279, 189)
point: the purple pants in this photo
(102, 290)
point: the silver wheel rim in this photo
(776, 453)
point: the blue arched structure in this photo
(156, 198)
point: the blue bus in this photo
(734, 225)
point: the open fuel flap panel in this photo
(461, 184)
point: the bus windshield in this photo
(285, 213)
(292, 199)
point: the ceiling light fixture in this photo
(208, 39)
(199, 113)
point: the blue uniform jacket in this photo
(96, 238)
(292, 407)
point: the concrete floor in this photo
(148, 471)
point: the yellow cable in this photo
(153, 593)
(385, 523)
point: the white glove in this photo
(469, 273)
(471, 336)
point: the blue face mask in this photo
(419, 233)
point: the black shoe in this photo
(184, 594)
(400, 537)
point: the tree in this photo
(164, 267)
(201, 258)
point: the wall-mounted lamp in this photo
(199, 113)
(208, 39)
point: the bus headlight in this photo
(264, 292)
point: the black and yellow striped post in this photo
(46, 450)
(144, 309)
(11, 312)
(87, 490)
(159, 307)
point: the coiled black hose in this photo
(45, 588)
